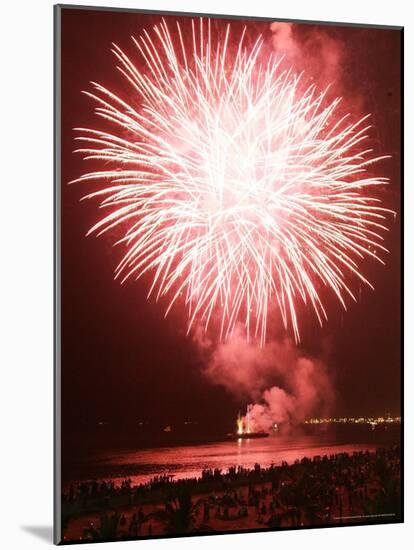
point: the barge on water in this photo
(244, 429)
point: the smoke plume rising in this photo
(285, 385)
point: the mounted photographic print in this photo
(228, 274)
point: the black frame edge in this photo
(57, 516)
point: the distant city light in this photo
(373, 421)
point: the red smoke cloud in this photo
(286, 385)
(313, 51)
(322, 56)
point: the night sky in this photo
(121, 360)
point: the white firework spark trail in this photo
(236, 189)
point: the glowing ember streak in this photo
(236, 189)
(239, 423)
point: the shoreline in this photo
(141, 464)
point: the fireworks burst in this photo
(234, 186)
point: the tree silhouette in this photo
(179, 512)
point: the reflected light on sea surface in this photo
(141, 465)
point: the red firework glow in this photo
(237, 188)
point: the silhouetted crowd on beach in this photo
(341, 488)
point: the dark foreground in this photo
(363, 487)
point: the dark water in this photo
(189, 460)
